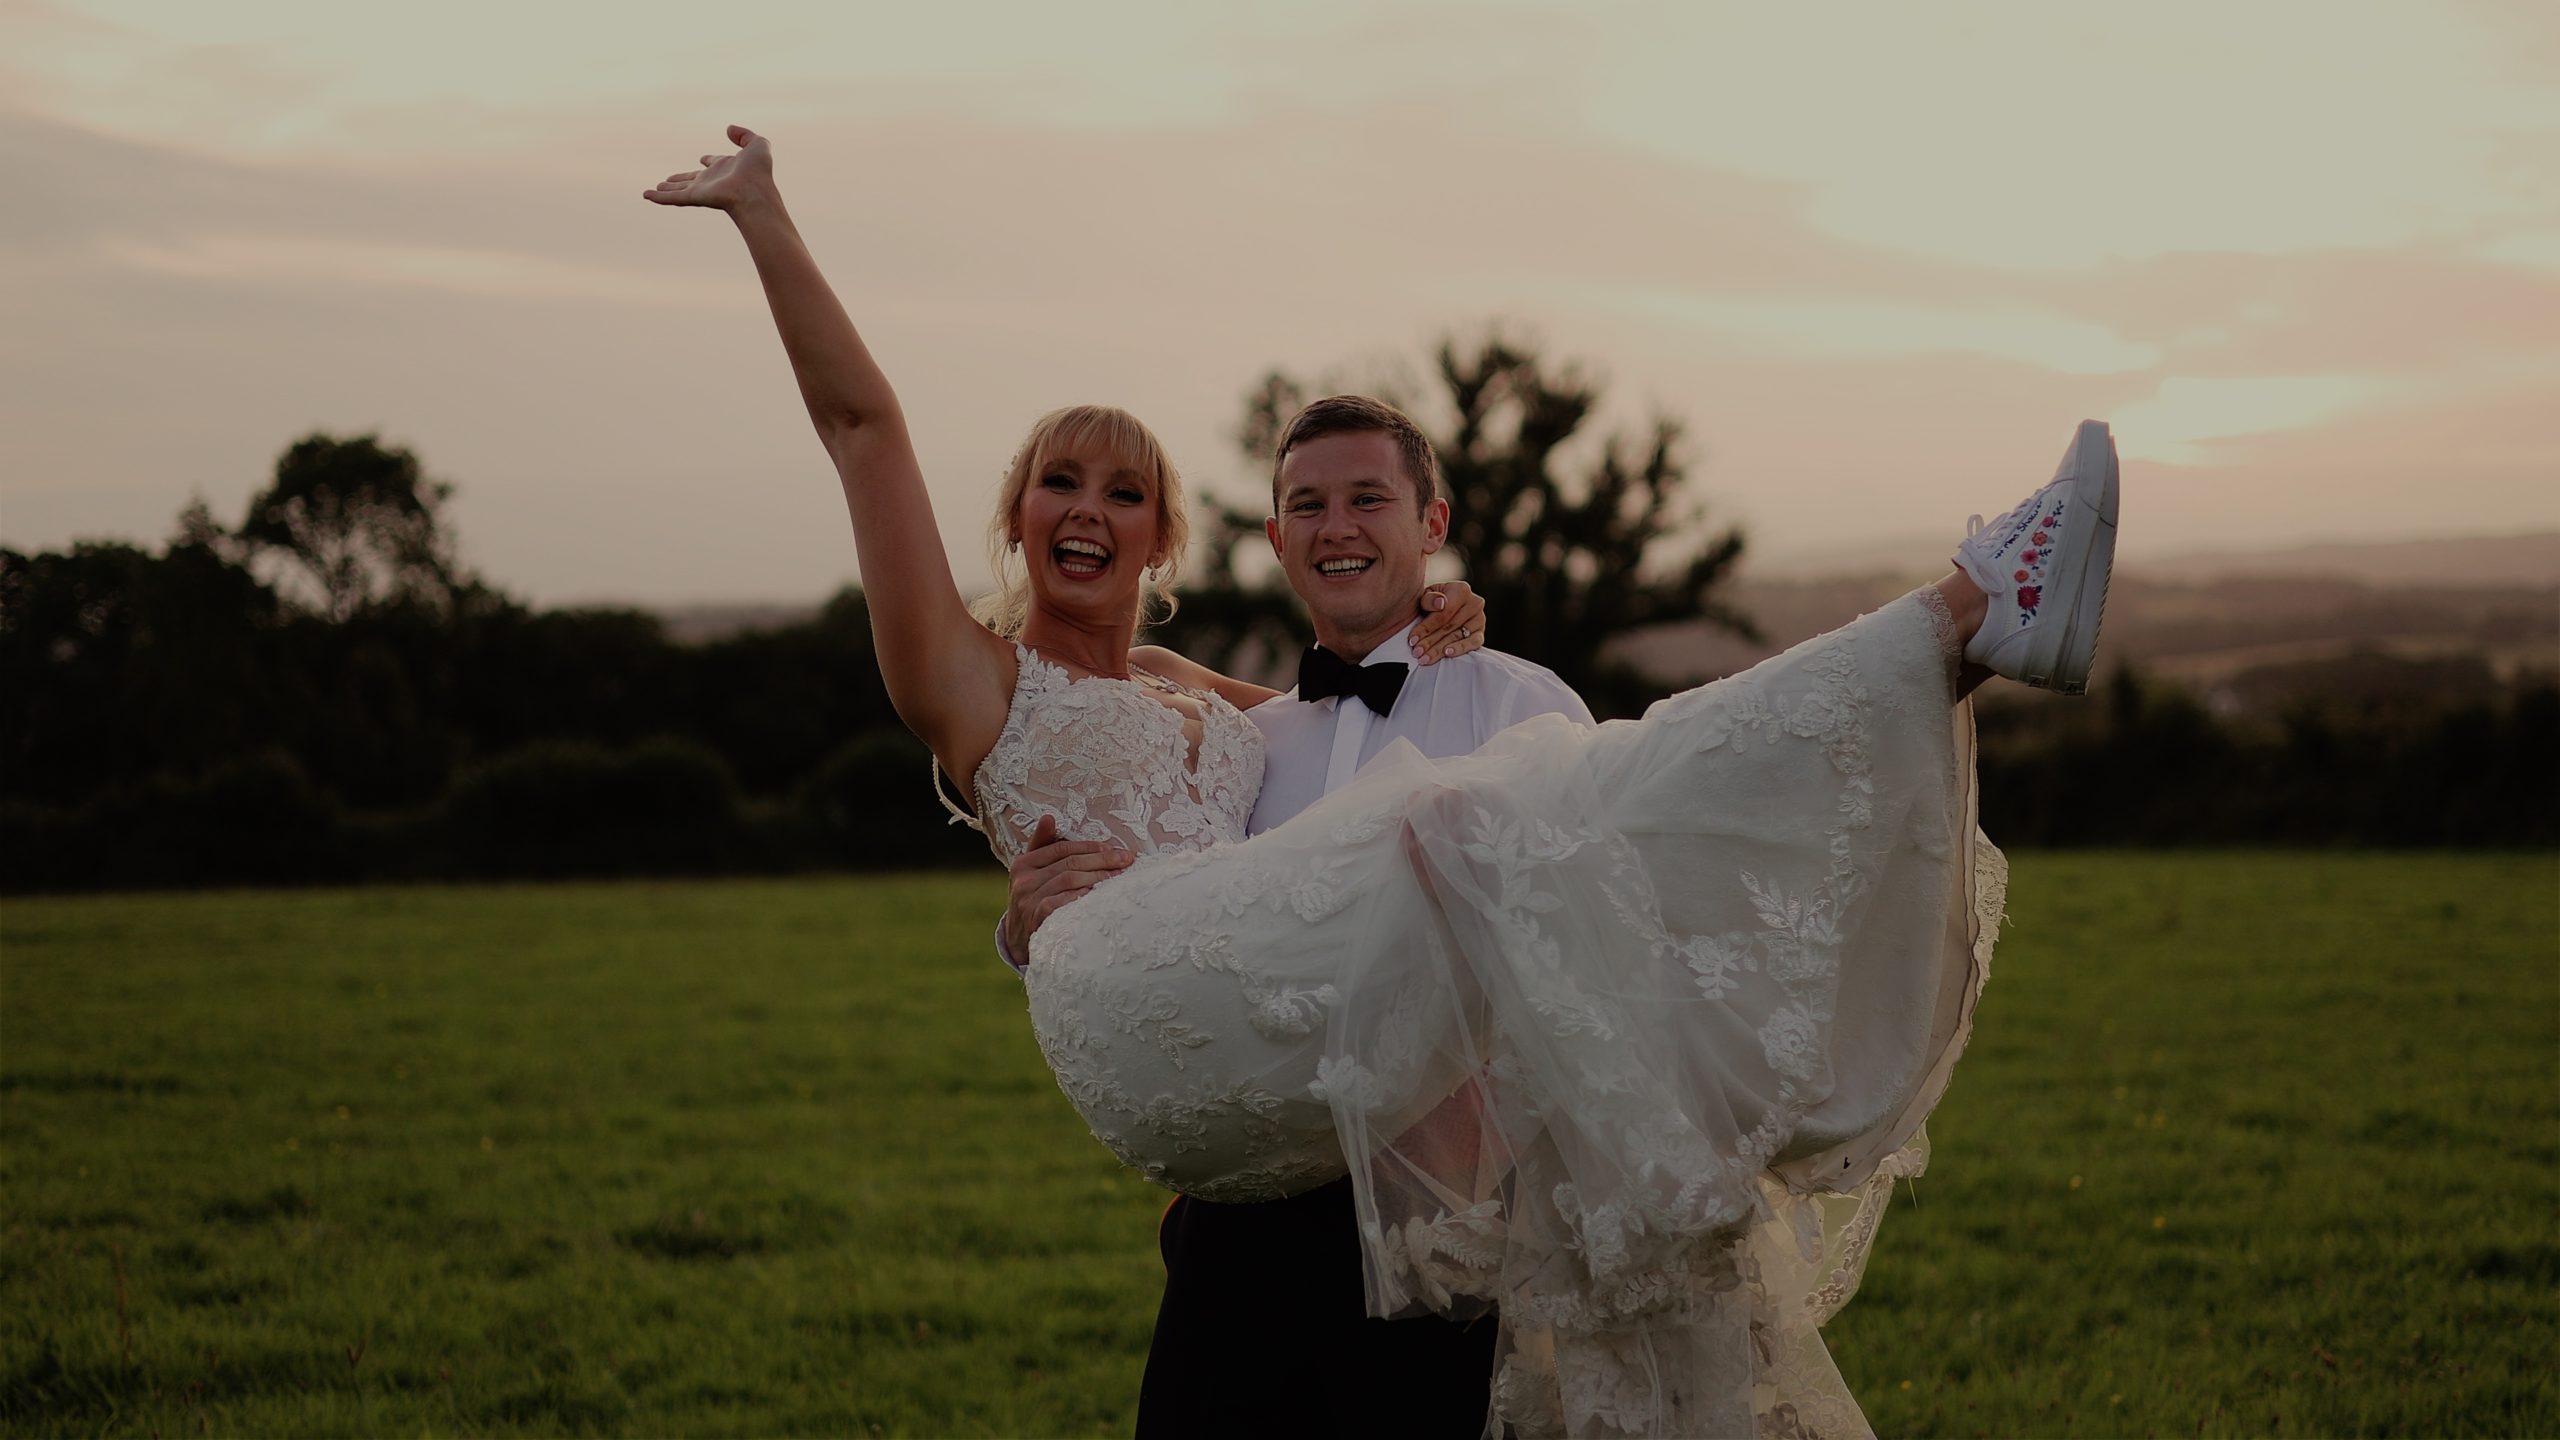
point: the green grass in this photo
(758, 1158)
(2244, 1145)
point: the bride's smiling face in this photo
(1090, 529)
(1089, 503)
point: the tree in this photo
(1569, 550)
(358, 522)
(116, 663)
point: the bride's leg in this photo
(1965, 607)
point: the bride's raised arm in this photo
(948, 676)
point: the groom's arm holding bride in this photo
(1053, 872)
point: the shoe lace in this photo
(1973, 525)
(1993, 580)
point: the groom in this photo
(1263, 1329)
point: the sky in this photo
(1879, 260)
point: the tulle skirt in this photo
(1622, 1032)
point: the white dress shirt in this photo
(1311, 747)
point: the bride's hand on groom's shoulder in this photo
(725, 181)
(1452, 622)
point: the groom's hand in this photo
(1048, 875)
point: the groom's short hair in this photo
(1359, 415)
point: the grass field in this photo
(2246, 1145)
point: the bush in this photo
(257, 820)
(870, 806)
(566, 808)
(2150, 765)
(46, 847)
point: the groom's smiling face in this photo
(1353, 536)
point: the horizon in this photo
(2514, 571)
(2317, 294)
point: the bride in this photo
(1621, 1032)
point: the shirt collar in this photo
(1397, 647)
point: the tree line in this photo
(325, 693)
(322, 693)
(2441, 754)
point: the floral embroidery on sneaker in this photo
(2030, 580)
(2028, 589)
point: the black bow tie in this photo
(1323, 675)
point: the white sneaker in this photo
(2045, 566)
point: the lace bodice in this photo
(1111, 762)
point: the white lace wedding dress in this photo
(1623, 1031)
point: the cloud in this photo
(285, 259)
(1808, 326)
(2061, 136)
(476, 276)
(2179, 421)
(2393, 312)
(2538, 249)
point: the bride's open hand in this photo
(724, 180)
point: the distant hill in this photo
(2485, 561)
(702, 624)
(2531, 559)
(2205, 632)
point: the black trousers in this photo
(1263, 1332)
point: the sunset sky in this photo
(2305, 258)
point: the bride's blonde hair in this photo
(1115, 436)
